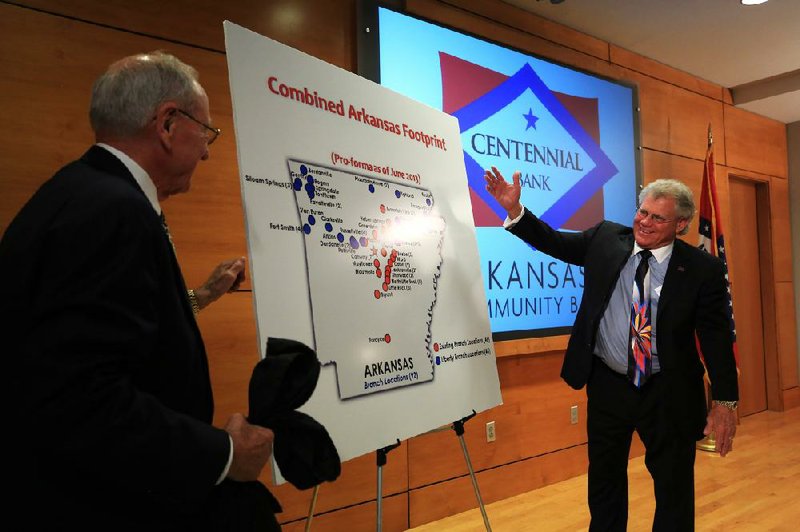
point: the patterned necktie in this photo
(639, 361)
(189, 293)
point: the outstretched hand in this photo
(507, 194)
(226, 277)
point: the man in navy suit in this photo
(664, 399)
(107, 372)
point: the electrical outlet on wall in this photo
(490, 434)
(573, 414)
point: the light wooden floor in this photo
(756, 488)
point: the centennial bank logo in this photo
(517, 122)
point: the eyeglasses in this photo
(211, 132)
(657, 218)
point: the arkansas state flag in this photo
(710, 229)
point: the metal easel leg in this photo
(458, 427)
(311, 508)
(381, 461)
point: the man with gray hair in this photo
(648, 299)
(113, 402)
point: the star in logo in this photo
(531, 119)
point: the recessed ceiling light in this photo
(753, 2)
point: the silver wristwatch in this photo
(730, 405)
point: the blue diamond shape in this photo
(493, 102)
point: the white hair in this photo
(126, 96)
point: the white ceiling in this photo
(722, 41)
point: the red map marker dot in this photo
(436, 347)
(387, 338)
(377, 294)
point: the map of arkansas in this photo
(373, 257)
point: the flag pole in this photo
(709, 443)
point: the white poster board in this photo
(361, 244)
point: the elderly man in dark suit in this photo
(111, 397)
(648, 299)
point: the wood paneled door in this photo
(746, 276)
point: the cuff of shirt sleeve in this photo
(509, 223)
(228, 465)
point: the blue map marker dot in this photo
(397, 193)
(328, 227)
(353, 242)
(307, 229)
(371, 188)
(311, 219)
(303, 169)
(340, 237)
(298, 184)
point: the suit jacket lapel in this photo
(617, 256)
(675, 276)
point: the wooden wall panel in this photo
(787, 333)
(675, 120)
(322, 29)
(45, 102)
(55, 72)
(530, 23)
(781, 230)
(534, 419)
(665, 73)
(528, 346)
(454, 496)
(465, 21)
(755, 143)
(791, 398)
(356, 485)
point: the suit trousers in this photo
(615, 409)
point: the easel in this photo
(458, 427)
(380, 456)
